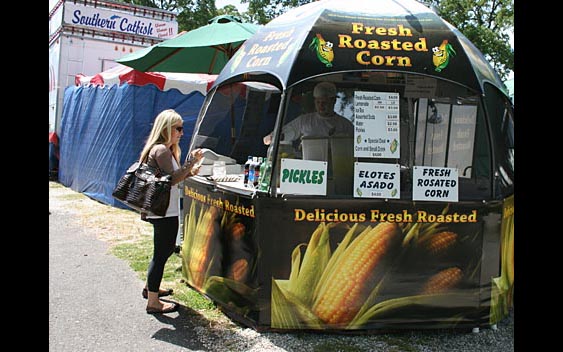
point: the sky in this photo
(241, 7)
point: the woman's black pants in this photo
(165, 232)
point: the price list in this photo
(376, 130)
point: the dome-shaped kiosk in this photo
(406, 221)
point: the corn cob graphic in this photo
(324, 51)
(238, 270)
(441, 55)
(393, 146)
(507, 254)
(438, 243)
(443, 281)
(235, 231)
(350, 282)
(201, 250)
(316, 256)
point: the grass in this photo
(139, 254)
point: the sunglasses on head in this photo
(179, 128)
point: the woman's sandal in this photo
(160, 293)
(170, 309)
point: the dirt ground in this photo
(113, 225)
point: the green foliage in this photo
(229, 10)
(486, 23)
(195, 13)
(170, 5)
(262, 11)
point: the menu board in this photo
(376, 132)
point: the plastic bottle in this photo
(265, 171)
(246, 169)
(251, 172)
(257, 167)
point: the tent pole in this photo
(212, 64)
(232, 117)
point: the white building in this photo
(86, 36)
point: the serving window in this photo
(413, 138)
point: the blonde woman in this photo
(162, 150)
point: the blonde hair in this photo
(161, 133)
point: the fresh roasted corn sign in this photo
(435, 183)
(303, 177)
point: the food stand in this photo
(406, 224)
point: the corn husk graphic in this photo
(503, 286)
(418, 232)
(441, 55)
(198, 247)
(330, 289)
(288, 312)
(324, 51)
(507, 254)
(234, 294)
(357, 284)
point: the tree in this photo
(170, 5)
(486, 23)
(262, 11)
(191, 13)
(229, 10)
(196, 13)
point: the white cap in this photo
(324, 89)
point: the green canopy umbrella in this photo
(203, 50)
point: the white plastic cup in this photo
(219, 169)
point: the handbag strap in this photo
(157, 167)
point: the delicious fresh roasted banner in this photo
(341, 265)
(351, 265)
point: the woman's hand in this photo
(267, 139)
(193, 163)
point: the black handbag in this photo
(144, 188)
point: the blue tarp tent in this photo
(103, 129)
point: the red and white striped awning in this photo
(184, 82)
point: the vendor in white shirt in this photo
(322, 123)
